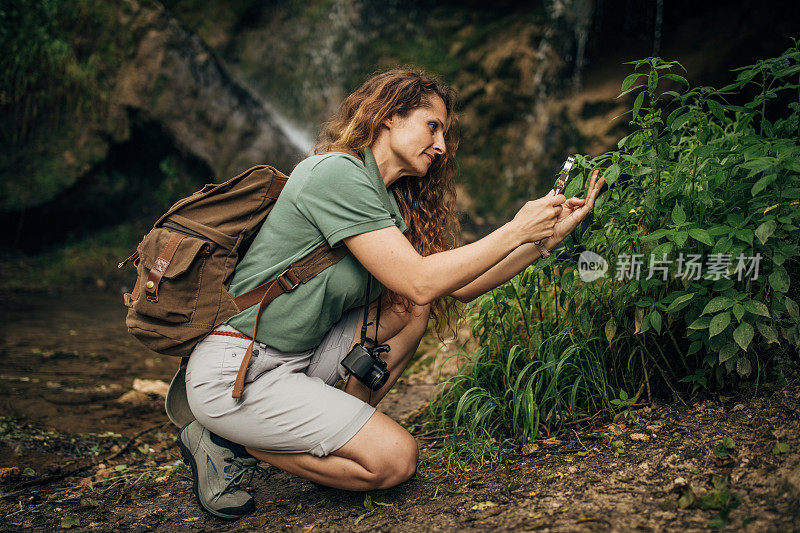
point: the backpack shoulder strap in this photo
(299, 272)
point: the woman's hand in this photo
(537, 218)
(574, 211)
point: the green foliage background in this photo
(698, 175)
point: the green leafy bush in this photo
(707, 174)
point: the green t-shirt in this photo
(328, 197)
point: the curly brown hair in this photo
(427, 204)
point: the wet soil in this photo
(73, 456)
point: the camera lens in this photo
(377, 378)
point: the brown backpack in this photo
(185, 263)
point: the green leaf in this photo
(623, 93)
(702, 236)
(779, 279)
(657, 234)
(655, 321)
(720, 229)
(694, 347)
(680, 121)
(716, 109)
(678, 215)
(779, 448)
(637, 104)
(763, 183)
(760, 164)
(680, 302)
(701, 323)
(738, 312)
(791, 306)
(652, 81)
(728, 443)
(630, 80)
(721, 451)
(743, 366)
(735, 219)
(743, 335)
(768, 332)
(787, 71)
(680, 238)
(674, 114)
(675, 77)
(745, 235)
(719, 323)
(508, 291)
(659, 251)
(611, 174)
(723, 285)
(756, 307)
(717, 304)
(610, 329)
(765, 230)
(792, 164)
(727, 351)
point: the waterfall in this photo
(657, 30)
(578, 16)
(297, 135)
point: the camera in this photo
(366, 366)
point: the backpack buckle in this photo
(285, 280)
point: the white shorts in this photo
(289, 403)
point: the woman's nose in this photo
(439, 146)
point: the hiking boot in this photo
(218, 467)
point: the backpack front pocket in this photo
(169, 276)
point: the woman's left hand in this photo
(574, 210)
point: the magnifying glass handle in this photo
(563, 178)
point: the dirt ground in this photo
(84, 447)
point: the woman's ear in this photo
(389, 121)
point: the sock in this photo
(237, 449)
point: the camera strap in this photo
(366, 314)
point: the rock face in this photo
(173, 118)
(190, 98)
(176, 81)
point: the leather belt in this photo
(231, 334)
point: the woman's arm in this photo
(388, 255)
(573, 212)
(510, 266)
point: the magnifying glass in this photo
(561, 184)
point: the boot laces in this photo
(239, 466)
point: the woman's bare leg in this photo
(382, 454)
(403, 332)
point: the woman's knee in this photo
(386, 451)
(399, 465)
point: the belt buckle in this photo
(285, 282)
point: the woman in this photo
(383, 187)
